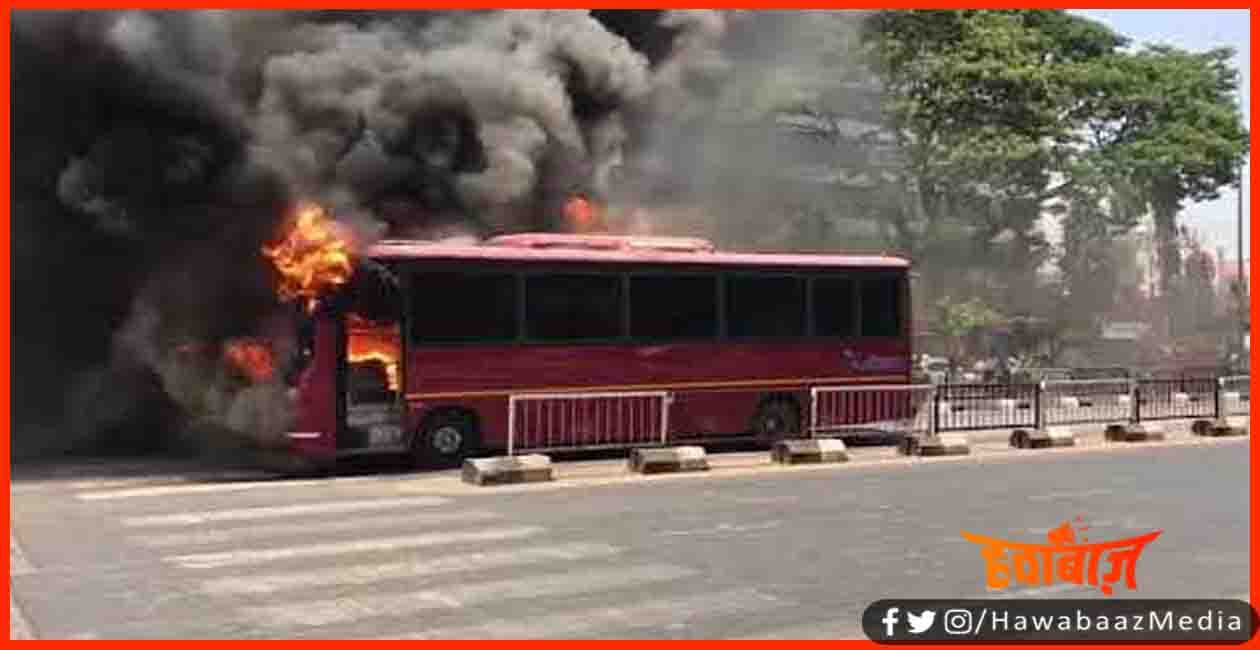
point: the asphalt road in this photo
(753, 554)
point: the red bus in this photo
(425, 347)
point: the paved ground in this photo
(746, 551)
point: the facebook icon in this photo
(890, 619)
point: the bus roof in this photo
(547, 247)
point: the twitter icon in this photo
(921, 622)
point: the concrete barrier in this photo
(946, 444)
(1221, 427)
(796, 452)
(505, 470)
(653, 460)
(1043, 438)
(1132, 433)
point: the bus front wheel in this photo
(446, 439)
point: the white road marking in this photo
(267, 512)
(312, 528)
(822, 630)
(674, 613)
(721, 529)
(19, 628)
(1079, 494)
(345, 610)
(1034, 592)
(192, 488)
(242, 557)
(18, 564)
(371, 573)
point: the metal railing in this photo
(1176, 399)
(974, 407)
(851, 410)
(579, 421)
(1234, 395)
(1085, 402)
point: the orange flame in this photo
(251, 357)
(368, 341)
(582, 215)
(313, 259)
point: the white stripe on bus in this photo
(267, 512)
(243, 557)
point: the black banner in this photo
(1059, 621)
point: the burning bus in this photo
(425, 348)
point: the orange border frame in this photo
(521, 4)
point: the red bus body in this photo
(716, 385)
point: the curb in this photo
(656, 460)
(822, 450)
(507, 470)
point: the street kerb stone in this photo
(945, 444)
(1134, 433)
(659, 460)
(1043, 438)
(1222, 427)
(822, 450)
(506, 470)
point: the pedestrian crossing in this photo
(415, 567)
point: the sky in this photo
(1191, 29)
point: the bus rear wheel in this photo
(446, 439)
(777, 419)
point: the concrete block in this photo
(505, 470)
(653, 460)
(1221, 427)
(1133, 433)
(823, 450)
(945, 444)
(1043, 438)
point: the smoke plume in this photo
(154, 153)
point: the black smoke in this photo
(155, 152)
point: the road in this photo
(739, 554)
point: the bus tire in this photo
(446, 439)
(776, 419)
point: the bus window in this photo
(458, 307)
(770, 307)
(834, 303)
(673, 306)
(573, 307)
(881, 307)
(373, 337)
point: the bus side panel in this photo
(472, 370)
(316, 409)
(715, 413)
(717, 385)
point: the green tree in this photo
(981, 107)
(1165, 122)
(958, 321)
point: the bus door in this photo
(372, 366)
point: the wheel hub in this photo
(447, 440)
